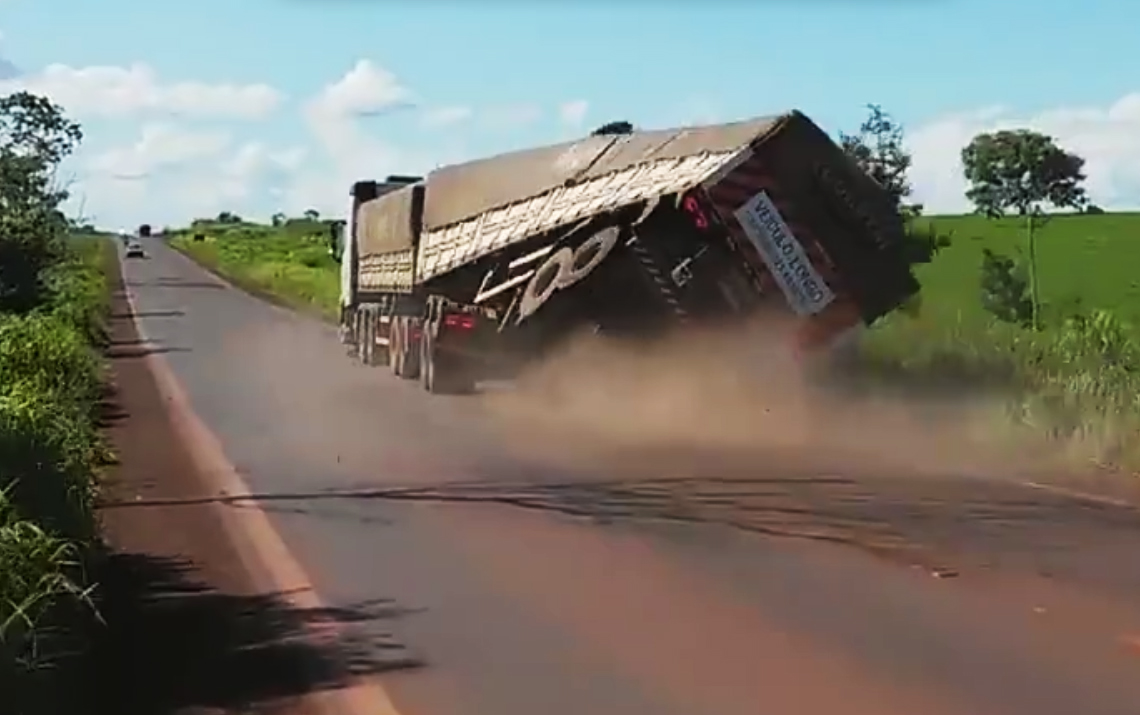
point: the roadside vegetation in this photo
(53, 306)
(288, 260)
(1029, 298)
(1032, 297)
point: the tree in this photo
(879, 150)
(278, 220)
(228, 217)
(311, 215)
(35, 137)
(1023, 172)
(613, 128)
(1004, 289)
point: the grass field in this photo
(290, 264)
(1060, 381)
(1083, 261)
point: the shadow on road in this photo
(174, 283)
(141, 349)
(173, 644)
(149, 314)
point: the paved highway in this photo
(524, 588)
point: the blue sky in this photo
(934, 64)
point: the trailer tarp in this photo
(643, 147)
(460, 192)
(384, 225)
(456, 193)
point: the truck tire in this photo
(372, 356)
(427, 364)
(369, 342)
(404, 358)
(545, 282)
(589, 256)
(395, 347)
(442, 374)
(358, 334)
(410, 350)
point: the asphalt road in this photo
(525, 589)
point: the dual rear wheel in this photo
(404, 357)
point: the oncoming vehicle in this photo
(135, 250)
(485, 265)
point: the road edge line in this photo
(259, 545)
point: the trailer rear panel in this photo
(813, 228)
(387, 232)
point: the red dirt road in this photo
(628, 596)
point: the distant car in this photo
(135, 250)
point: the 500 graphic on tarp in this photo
(765, 227)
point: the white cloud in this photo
(173, 174)
(365, 90)
(159, 146)
(113, 91)
(351, 152)
(446, 116)
(573, 113)
(1108, 137)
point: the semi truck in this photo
(478, 268)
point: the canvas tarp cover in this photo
(384, 224)
(460, 192)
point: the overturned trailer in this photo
(487, 264)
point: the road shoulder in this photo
(191, 626)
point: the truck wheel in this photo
(589, 256)
(427, 364)
(396, 347)
(405, 359)
(409, 351)
(545, 282)
(380, 353)
(360, 335)
(351, 330)
(369, 339)
(442, 374)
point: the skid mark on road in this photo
(943, 526)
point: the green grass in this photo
(51, 450)
(1083, 261)
(1076, 380)
(291, 266)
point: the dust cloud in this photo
(733, 402)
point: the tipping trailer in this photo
(482, 265)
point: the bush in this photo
(50, 450)
(53, 357)
(1005, 289)
(48, 447)
(36, 565)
